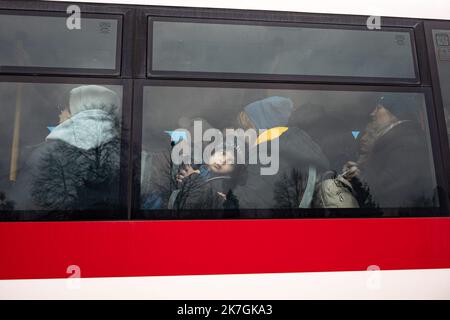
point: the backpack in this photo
(334, 191)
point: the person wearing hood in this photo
(267, 113)
(394, 164)
(92, 118)
(300, 159)
(212, 186)
(77, 167)
(165, 185)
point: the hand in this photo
(350, 170)
(222, 195)
(185, 172)
(64, 115)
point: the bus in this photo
(153, 151)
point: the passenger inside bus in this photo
(322, 131)
(77, 167)
(318, 132)
(299, 157)
(394, 157)
(191, 186)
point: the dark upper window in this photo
(44, 43)
(257, 49)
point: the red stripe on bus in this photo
(41, 250)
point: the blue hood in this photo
(270, 112)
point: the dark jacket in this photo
(297, 151)
(160, 190)
(77, 168)
(329, 130)
(247, 189)
(199, 193)
(398, 169)
(61, 177)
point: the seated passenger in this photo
(393, 163)
(77, 167)
(158, 173)
(300, 160)
(212, 185)
(299, 157)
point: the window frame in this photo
(124, 39)
(437, 95)
(139, 214)
(278, 17)
(125, 137)
(276, 77)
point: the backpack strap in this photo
(310, 186)
(173, 198)
(345, 182)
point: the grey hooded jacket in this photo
(77, 167)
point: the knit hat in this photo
(403, 106)
(270, 112)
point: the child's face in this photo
(222, 162)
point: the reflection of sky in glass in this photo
(41, 105)
(335, 120)
(182, 46)
(165, 106)
(47, 42)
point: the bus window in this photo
(47, 42)
(442, 48)
(60, 151)
(181, 46)
(312, 150)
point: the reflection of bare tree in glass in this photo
(366, 200)
(363, 194)
(5, 204)
(158, 180)
(57, 179)
(196, 193)
(69, 178)
(231, 201)
(288, 190)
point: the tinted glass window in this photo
(45, 41)
(442, 46)
(59, 151)
(251, 49)
(314, 150)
